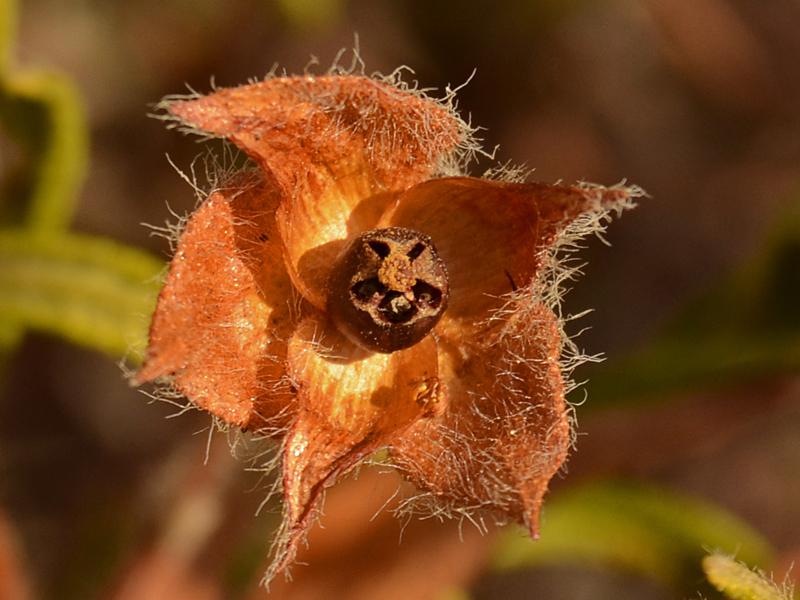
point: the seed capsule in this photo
(388, 289)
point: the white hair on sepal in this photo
(509, 172)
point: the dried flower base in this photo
(262, 317)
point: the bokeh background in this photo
(690, 431)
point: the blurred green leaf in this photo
(746, 327)
(309, 14)
(44, 114)
(738, 582)
(655, 532)
(8, 25)
(91, 291)
(454, 594)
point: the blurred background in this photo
(690, 432)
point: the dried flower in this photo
(356, 292)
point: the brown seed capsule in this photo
(388, 289)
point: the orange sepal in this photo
(330, 143)
(223, 315)
(505, 430)
(493, 236)
(351, 403)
